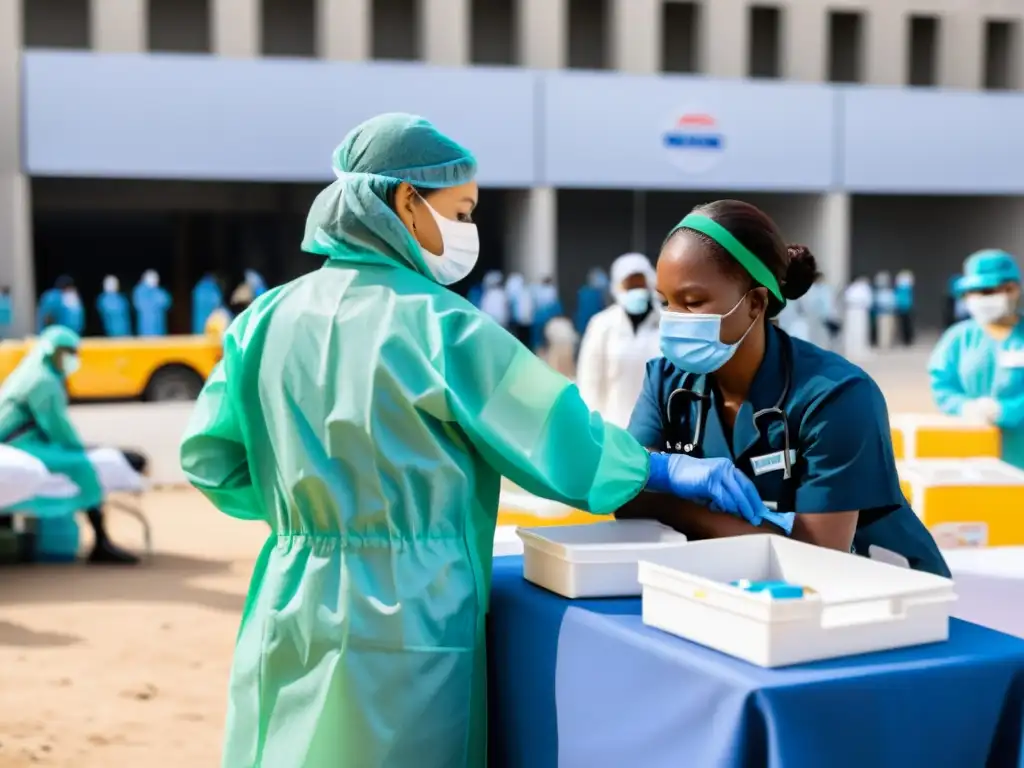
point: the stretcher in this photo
(23, 477)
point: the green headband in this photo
(754, 266)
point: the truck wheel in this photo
(171, 383)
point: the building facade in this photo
(182, 133)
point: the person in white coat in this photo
(495, 299)
(859, 299)
(619, 341)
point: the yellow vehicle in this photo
(154, 368)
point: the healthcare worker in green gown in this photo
(977, 368)
(34, 418)
(367, 413)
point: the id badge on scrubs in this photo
(771, 462)
(1011, 358)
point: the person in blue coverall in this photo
(207, 298)
(113, 308)
(591, 298)
(977, 368)
(6, 312)
(546, 306)
(61, 305)
(723, 273)
(151, 303)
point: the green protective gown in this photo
(368, 414)
(34, 418)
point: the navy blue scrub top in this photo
(839, 430)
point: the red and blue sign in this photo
(695, 141)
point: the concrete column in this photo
(16, 264)
(636, 36)
(532, 232)
(805, 42)
(724, 38)
(962, 50)
(119, 26)
(344, 29)
(445, 32)
(543, 33)
(887, 46)
(237, 28)
(831, 245)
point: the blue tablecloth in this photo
(585, 683)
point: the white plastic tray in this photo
(597, 559)
(859, 605)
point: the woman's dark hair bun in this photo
(801, 272)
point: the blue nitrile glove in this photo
(715, 482)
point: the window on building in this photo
(181, 26)
(679, 31)
(924, 50)
(1002, 55)
(589, 34)
(493, 31)
(288, 28)
(765, 41)
(396, 30)
(845, 46)
(56, 23)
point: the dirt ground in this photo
(104, 668)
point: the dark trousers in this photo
(907, 328)
(521, 332)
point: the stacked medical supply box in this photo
(935, 436)
(967, 502)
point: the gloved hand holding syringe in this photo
(716, 483)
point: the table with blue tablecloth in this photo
(585, 683)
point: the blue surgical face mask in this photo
(635, 301)
(693, 343)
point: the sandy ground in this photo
(104, 668)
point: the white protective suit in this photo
(613, 357)
(856, 327)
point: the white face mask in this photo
(988, 308)
(151, 279)
(70, 364)
(460, 243)
(71, 300)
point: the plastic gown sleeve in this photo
(213, 455)
(531, 424)
(49, 407)
(1011, 412)
(944, 370)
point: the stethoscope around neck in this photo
(694, 446)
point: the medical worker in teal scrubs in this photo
(977, 368)
(731, 385)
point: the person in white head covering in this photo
(619, 340)
(857, 324)
(905, 306)
(495, 299)
(520, 302)
(885, 310)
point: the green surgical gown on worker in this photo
(368, 415)
(969, 364)
(34, 418)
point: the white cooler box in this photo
(595, 559)
(855, 605)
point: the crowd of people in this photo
(368, 413)
(145, 312)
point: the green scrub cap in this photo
(353, 214)
(753, 265)
(56, 336)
